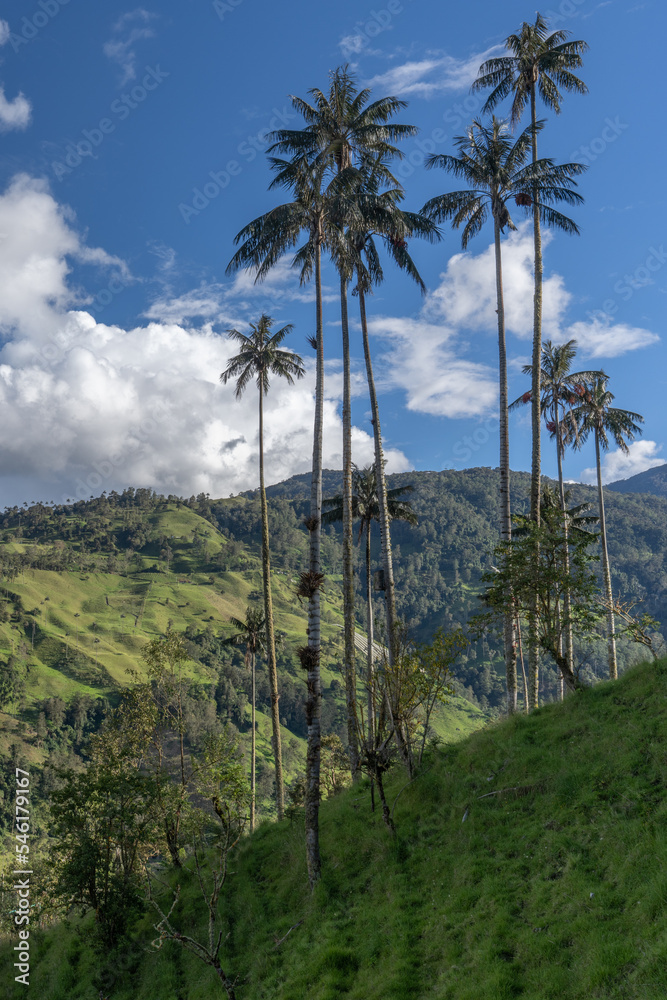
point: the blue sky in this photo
(132, 142)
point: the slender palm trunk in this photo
(370, 668)
(313, 683)
(505, 507)
(567, 600)
(268, 614)
(385, 531)
(253, 748)
(611, 635)
(348, 546)
(535, 481)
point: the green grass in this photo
(556, 890)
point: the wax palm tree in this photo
(379, 219)
(595, 415)
(342, 130)
(538, 63)
(263, 243)
(366, 507)
(260, 357)
(561, 390)
(251, 633)
(495, 168)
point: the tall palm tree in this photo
(595, 415)
(252, 634)
(380, 218)
(263, 243)
(538, 63)
(342, 130)
(561, 389)
(260, 357)
(495, 168)
(366, 507)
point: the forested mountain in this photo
(147, 557)
(652, 481)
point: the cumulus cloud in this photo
(601, 338)
(424, 360)
(227, 303)
(129, 29)
(14, 114)
(426, 356)
(466, 295)
(431, 77)
(466, 299)
(642, 455)
(4, 32)
(89, 406)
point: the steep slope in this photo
(530, 861)
(652, 481)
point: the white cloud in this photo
(228, 303)
(422, 360)
(89, 406)
(4, 32)
(122, 50)
(466, 296)
(466, 299)
(617, 465)
(432, 76)
(600, 338)
(427, 355)
(351, 45)
(14, 114)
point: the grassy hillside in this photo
(530, 861)
(128, 574)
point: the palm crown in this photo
(539, 62)
(495, 167)
(596, 414)
(560, 387)
(343, 126)
(261, 356)
(365, 502)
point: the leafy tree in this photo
(260, 357)
(223, 782)
(534, 559)
(561, 390)
(104, 829)
(595, 415)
